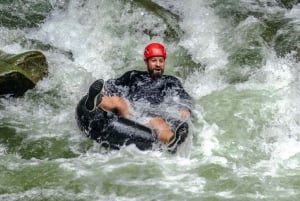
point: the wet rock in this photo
(21, 72)
(21, 14)
(183, 64)
(173, 31)
(288, 3)
(39, 45)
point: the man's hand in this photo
(184, 114)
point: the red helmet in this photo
(154, 50)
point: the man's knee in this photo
(115, 104)
(156, 120)
(161, 128)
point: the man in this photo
(148, 92)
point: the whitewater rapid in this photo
(245, 139)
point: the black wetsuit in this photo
(138, 86)
(140, 89)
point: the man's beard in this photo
(154, 74)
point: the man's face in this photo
(155, 66)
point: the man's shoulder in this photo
(130, 77)
(135, 72)
(138, 72)
(136, 75)
(171, 78)
(131, 73)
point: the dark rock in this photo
(21, 72)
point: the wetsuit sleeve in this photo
(118, 86)
(177, 90)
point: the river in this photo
(238, 59)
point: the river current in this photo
(238, 59)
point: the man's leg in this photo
(121, 107)
(115, 104)
(109, 103)
(162, 129)
(94, 95)
(172, 132)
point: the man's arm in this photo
(184, 114)
(118, 86)
(185, 102)
(185, 98)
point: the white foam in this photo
(98, 50)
